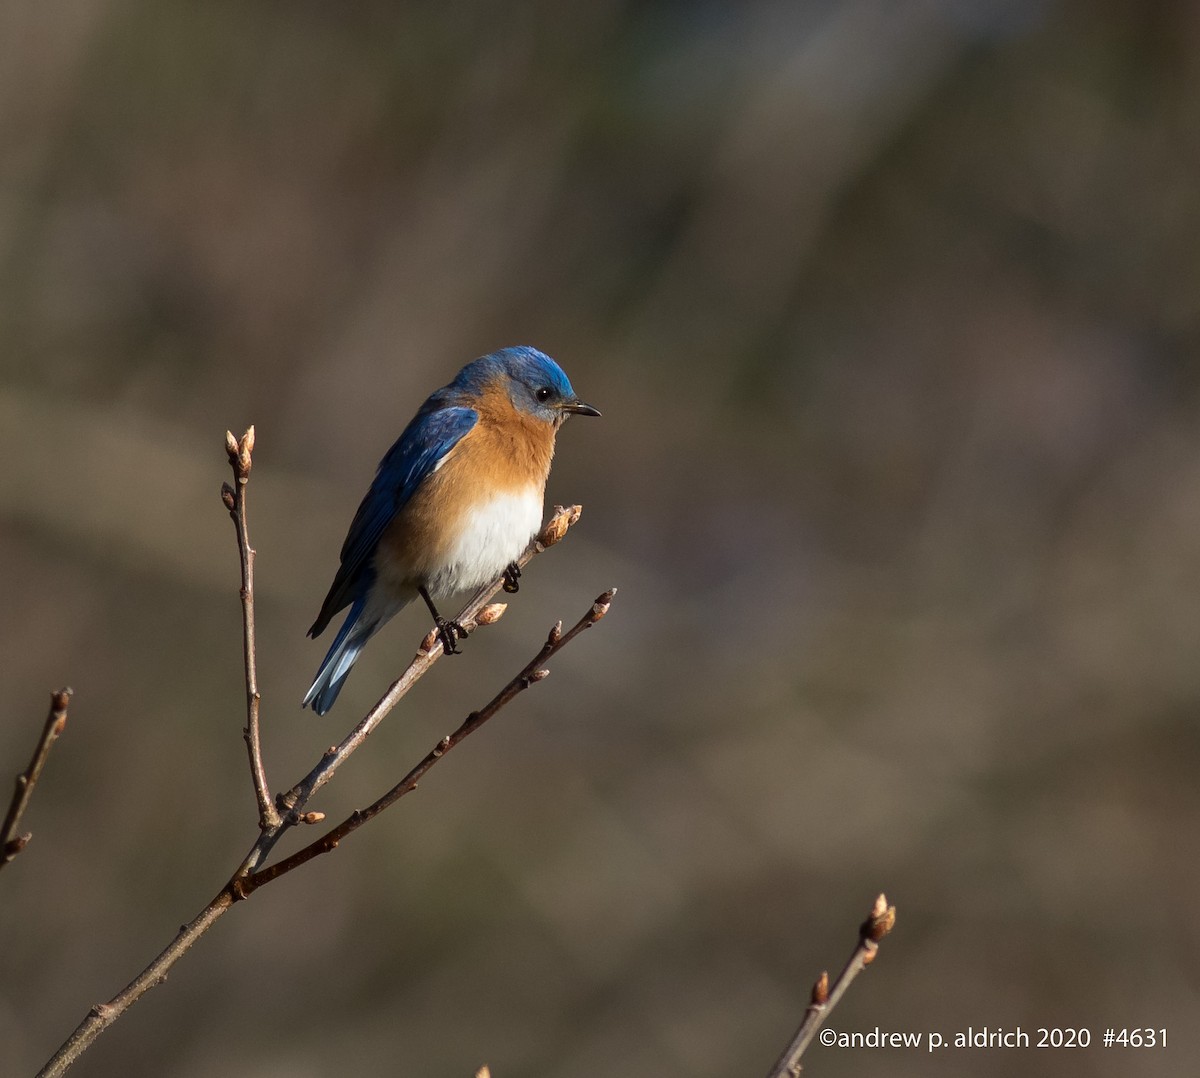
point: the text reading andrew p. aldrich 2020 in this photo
(997, 1037)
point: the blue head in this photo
(535, 383)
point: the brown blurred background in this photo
(893, 314)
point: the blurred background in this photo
(892, 311)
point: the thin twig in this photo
(103, 1015)
(824, 999)
(240, 460)
(12, 843)
(533, 672)
(477, 612)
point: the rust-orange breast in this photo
(478, 509)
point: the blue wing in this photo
(433, 432)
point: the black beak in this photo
(577, 407)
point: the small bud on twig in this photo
(602, 603)
(245, 448)
(820, 992)
(312, 817)
(555, 633)
(881, 921)
(228, 497)
(491, 614)
(231, 446)
(556, 528)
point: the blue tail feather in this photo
(369, 613)
(352, 637)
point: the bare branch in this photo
(476, 612)
(240, 460)
(870, 932)
(12, 843)
(533, 672)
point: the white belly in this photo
(495, 534)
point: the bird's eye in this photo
(544, 394)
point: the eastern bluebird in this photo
(454, 503)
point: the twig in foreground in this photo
(103, 1015)
(240, 460)
(824, 999)
(12, 843)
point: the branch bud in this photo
(881, 921)
(491, 614)
(602, 603)
(820, 991)
(228, 498)
(555, 633)
(312, 817)
(239, 452)
(558, 524)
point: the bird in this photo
(454, 503)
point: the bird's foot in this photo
(450, 632)
(512, 578)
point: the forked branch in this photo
(102, 1015)
(478, 612)
(533, 672)
(275, 821)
